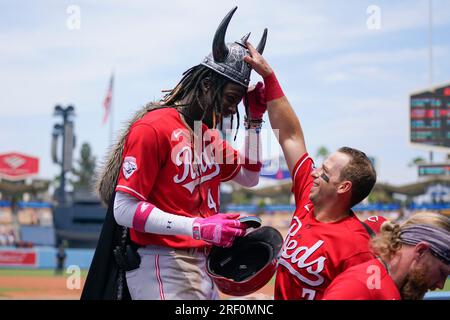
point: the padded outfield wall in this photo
(43, 257)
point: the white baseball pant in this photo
(171, 274)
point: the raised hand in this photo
(257, 61)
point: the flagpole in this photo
(430, 43)
(430, 53)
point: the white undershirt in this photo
(125, 206)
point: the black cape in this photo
(102, 279)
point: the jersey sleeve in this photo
(346, 287)
(301, 178)
(141, 162)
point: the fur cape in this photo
(107, 178)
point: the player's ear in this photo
(420, 250)
(344, 187)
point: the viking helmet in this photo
(228, 58)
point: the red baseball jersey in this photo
(366, 281)
(160, 166)
(314, 252)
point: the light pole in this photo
(430, 54)
(65, 130)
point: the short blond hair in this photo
(388, 242)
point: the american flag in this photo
(108, 99)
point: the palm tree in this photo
(416, 162)
(85, 170)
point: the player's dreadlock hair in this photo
(190, 84)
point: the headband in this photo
(438, 238)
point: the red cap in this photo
(375, 222)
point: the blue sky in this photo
(349, 85)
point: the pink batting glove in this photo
(256, 102)
(219, 229)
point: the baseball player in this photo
(412, 258)
(325, 237)
(166, 172)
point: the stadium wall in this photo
(43, 257)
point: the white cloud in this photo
(336, 77)
(408, 15)
(380, 57)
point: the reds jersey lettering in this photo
(186, 160)
(298, 255)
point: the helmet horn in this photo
(245, 38)
(219, 48)
(262, 42)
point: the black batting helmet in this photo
(248, 264)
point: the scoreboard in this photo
(430, 117)
(434, 170)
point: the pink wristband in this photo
(141, 215)
(273, 89)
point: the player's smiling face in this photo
(327, 183)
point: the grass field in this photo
(44, 284)
(33, 273)
(446, 286)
